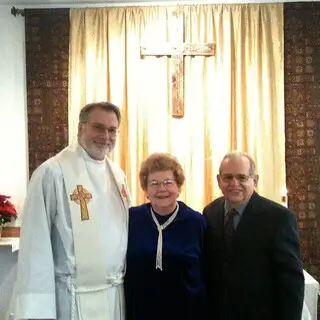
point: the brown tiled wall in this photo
(47, 60)
(302, 121)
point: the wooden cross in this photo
(178, 49)
(82, 196)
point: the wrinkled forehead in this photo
(235, 165)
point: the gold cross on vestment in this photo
(177, 50)
(82, 196)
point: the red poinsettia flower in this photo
(7, 210)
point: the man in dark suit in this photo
(252, 250)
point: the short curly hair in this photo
(160, 162)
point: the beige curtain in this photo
(233, 100)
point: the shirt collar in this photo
(240, 209)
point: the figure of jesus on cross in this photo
(177, 50)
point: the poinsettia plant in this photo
(7, 210)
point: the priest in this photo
(74, 231)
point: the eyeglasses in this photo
(240, 177)
(100, 128)
(155, 184)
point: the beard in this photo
(97, 151)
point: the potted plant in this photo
(8, 212)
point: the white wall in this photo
(13, 119)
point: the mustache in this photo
(103, 144)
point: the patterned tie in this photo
(229, 227)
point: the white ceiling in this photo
(55, 2)
(75, 3)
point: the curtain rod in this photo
(72, 4)
(15, 11)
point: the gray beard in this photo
(106, 149)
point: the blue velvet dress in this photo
(178, 291)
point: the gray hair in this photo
(234, 154)
(106, 106)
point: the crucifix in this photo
(81, 196)
(177, 50)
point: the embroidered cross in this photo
(124, 192)
(82, 196)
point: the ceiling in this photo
(74, 3)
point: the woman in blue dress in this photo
(165, 271)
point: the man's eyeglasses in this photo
(100, 128)
(167, 183)
(240, 177)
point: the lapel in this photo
(217, 219)
(249, 217)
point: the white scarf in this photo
(160, 238)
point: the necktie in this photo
(228, 227)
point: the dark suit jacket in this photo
(261, 277)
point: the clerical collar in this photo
(228, 207)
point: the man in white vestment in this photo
(74, 231)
